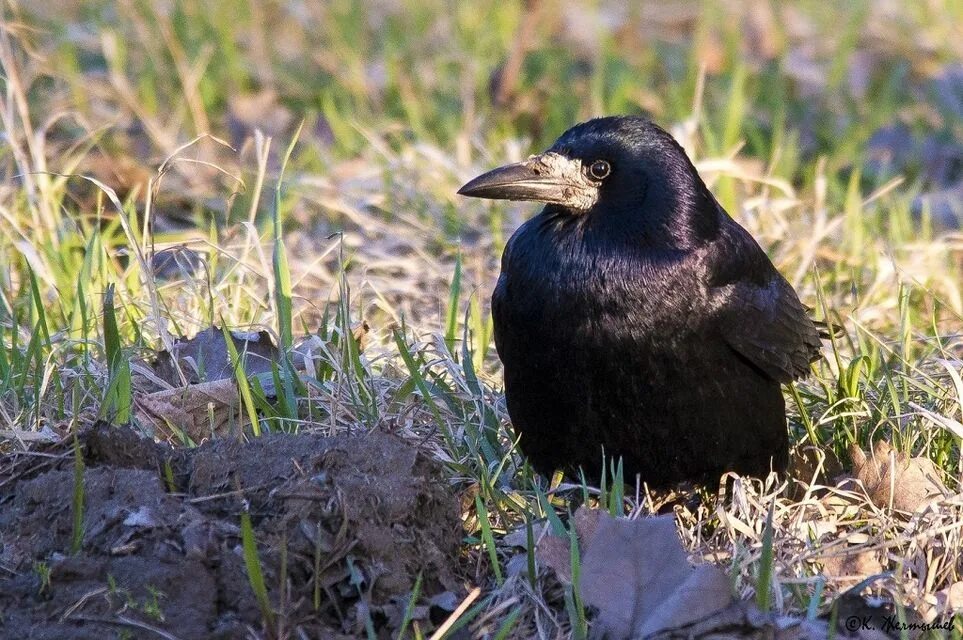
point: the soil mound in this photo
(343, 527)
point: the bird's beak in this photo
(549, 177)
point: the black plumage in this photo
(634, 316)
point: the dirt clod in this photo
(349, 522)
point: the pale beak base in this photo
(549, 178)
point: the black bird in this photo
(634, 316)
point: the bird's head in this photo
(622, 168)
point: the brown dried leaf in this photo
(586, 522)
(636, 575)
(360, 333)
(851, 568)
(890, 478)
(554, 553)
(199, 410)
(812, 465)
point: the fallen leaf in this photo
(587, 521)
(199, 411)
(554, 553)
(205, 358)
(636, 575)
(812, 465)
(703, 592)
(852, 567)
(889, 477)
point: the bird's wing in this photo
(768, 326)
(759, 313)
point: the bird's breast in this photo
(555, 294)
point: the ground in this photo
(355, 520)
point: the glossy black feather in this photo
(651, 326)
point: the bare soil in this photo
(346, 523)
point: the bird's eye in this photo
(599, 169)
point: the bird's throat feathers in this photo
(550, 248)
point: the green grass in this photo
(255, 576)
(396, 112)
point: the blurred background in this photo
(401, 101)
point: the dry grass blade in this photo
(456, 614)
